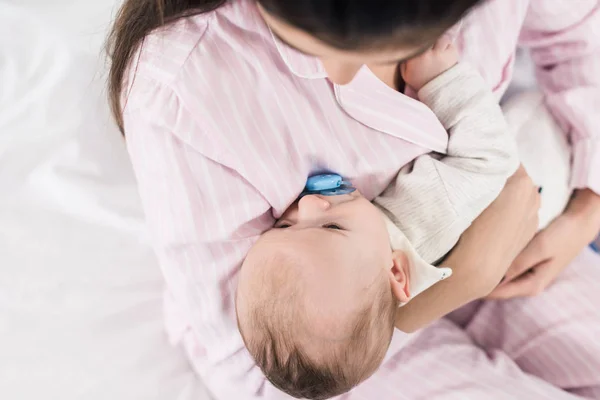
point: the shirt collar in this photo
(310, 67)
(301, 65)
(421, 274)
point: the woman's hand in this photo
(552, 249)
(482, 256)
(501, 232)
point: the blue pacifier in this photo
(327, 185)
(596, 245)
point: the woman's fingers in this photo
(531, 283)
(533, 254)
(517, 288)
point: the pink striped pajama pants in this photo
(545, 347)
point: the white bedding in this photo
(80, 290)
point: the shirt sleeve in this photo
(564, 39)
(435, 199)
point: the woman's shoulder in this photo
(201, 68)
(200, 45)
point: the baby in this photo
(318, 293)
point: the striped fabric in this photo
(224, 124)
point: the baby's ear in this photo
(399, 276)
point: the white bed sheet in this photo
(80, 290)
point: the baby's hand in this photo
(419, 71)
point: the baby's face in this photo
(348, 223)
(317, 286)
(340, 251)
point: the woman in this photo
(228, 106)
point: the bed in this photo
(80, 289)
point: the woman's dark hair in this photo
(345, 24)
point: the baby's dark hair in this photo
(274, 329)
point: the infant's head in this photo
(318, 295)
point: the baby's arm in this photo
(434, 199)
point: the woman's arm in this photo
(482, 256)
(436, 198)
(564, 42)
(565, 45)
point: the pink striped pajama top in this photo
(224, 123)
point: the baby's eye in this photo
(332, 226)
(283, 226)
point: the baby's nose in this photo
(312, 206)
